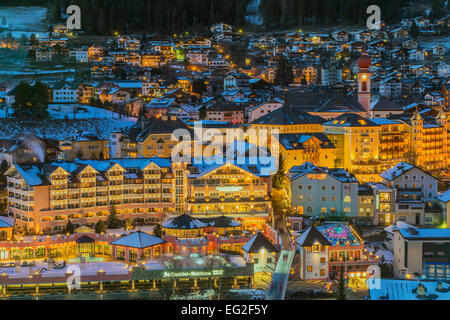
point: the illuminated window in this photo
(309, 268)
(347, 199)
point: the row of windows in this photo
(309, 187)
(324, 198)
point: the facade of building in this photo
(83, 146)
(320, 191)
(43, 198)
(356, 140)
(331, 249)
(421, 252)
(261, 252)
(153, 137)
(230, 189)
(414, 189)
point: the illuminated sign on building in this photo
(193, 274)
(317, 176)
(229, 189)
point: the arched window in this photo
(347, 210)
(300, 209)
(309, 209)
(323, 210)
(364, 86)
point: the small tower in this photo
(416, 132)
(364, 76)
(441, 118)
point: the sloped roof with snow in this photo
(444, 196)
(258, 242)
(339, 174)
(139, 240)
(311, 236)
(396, 171)
(414, 233)
(6, 222)
(184, 221)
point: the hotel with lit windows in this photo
(230, 189)
(43, 198)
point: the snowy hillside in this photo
(23, 20)
(64, 122)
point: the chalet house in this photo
(128, 43)
(65, 93)
(410, 44)
(79, 55)
(226, 112)
(267, 41)
(341, 36)
(362, 36)
(59, 30)
(236, 81)
(420, 70)
(95, 52)
(417, 55)
(153, 60)
(264, 109)
(43, 55)
(197, 57)
(223, 37)
(400, 34)
(221, 28)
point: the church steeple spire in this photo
(364, 76)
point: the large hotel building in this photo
(43, 198)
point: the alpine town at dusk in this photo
(224, 150)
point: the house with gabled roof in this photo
(136, 246)
(313, 250)
(261, 252)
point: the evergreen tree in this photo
(199, 86)
(157, 231)
(100, 227)
(69, 228)
(414, 30)
(341, 294)
(113, 221)
(33, 40)
(279, 178)
(3, 167)
(385, 269)
(283, 75)
(31, 101)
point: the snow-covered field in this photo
(64, 122)
(23, 20)
(35, 72)
(89, 269)
(251, 294)
(391, 289)
(440, 41)
(382, 252)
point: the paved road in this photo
(280, 277)
(283, 230)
